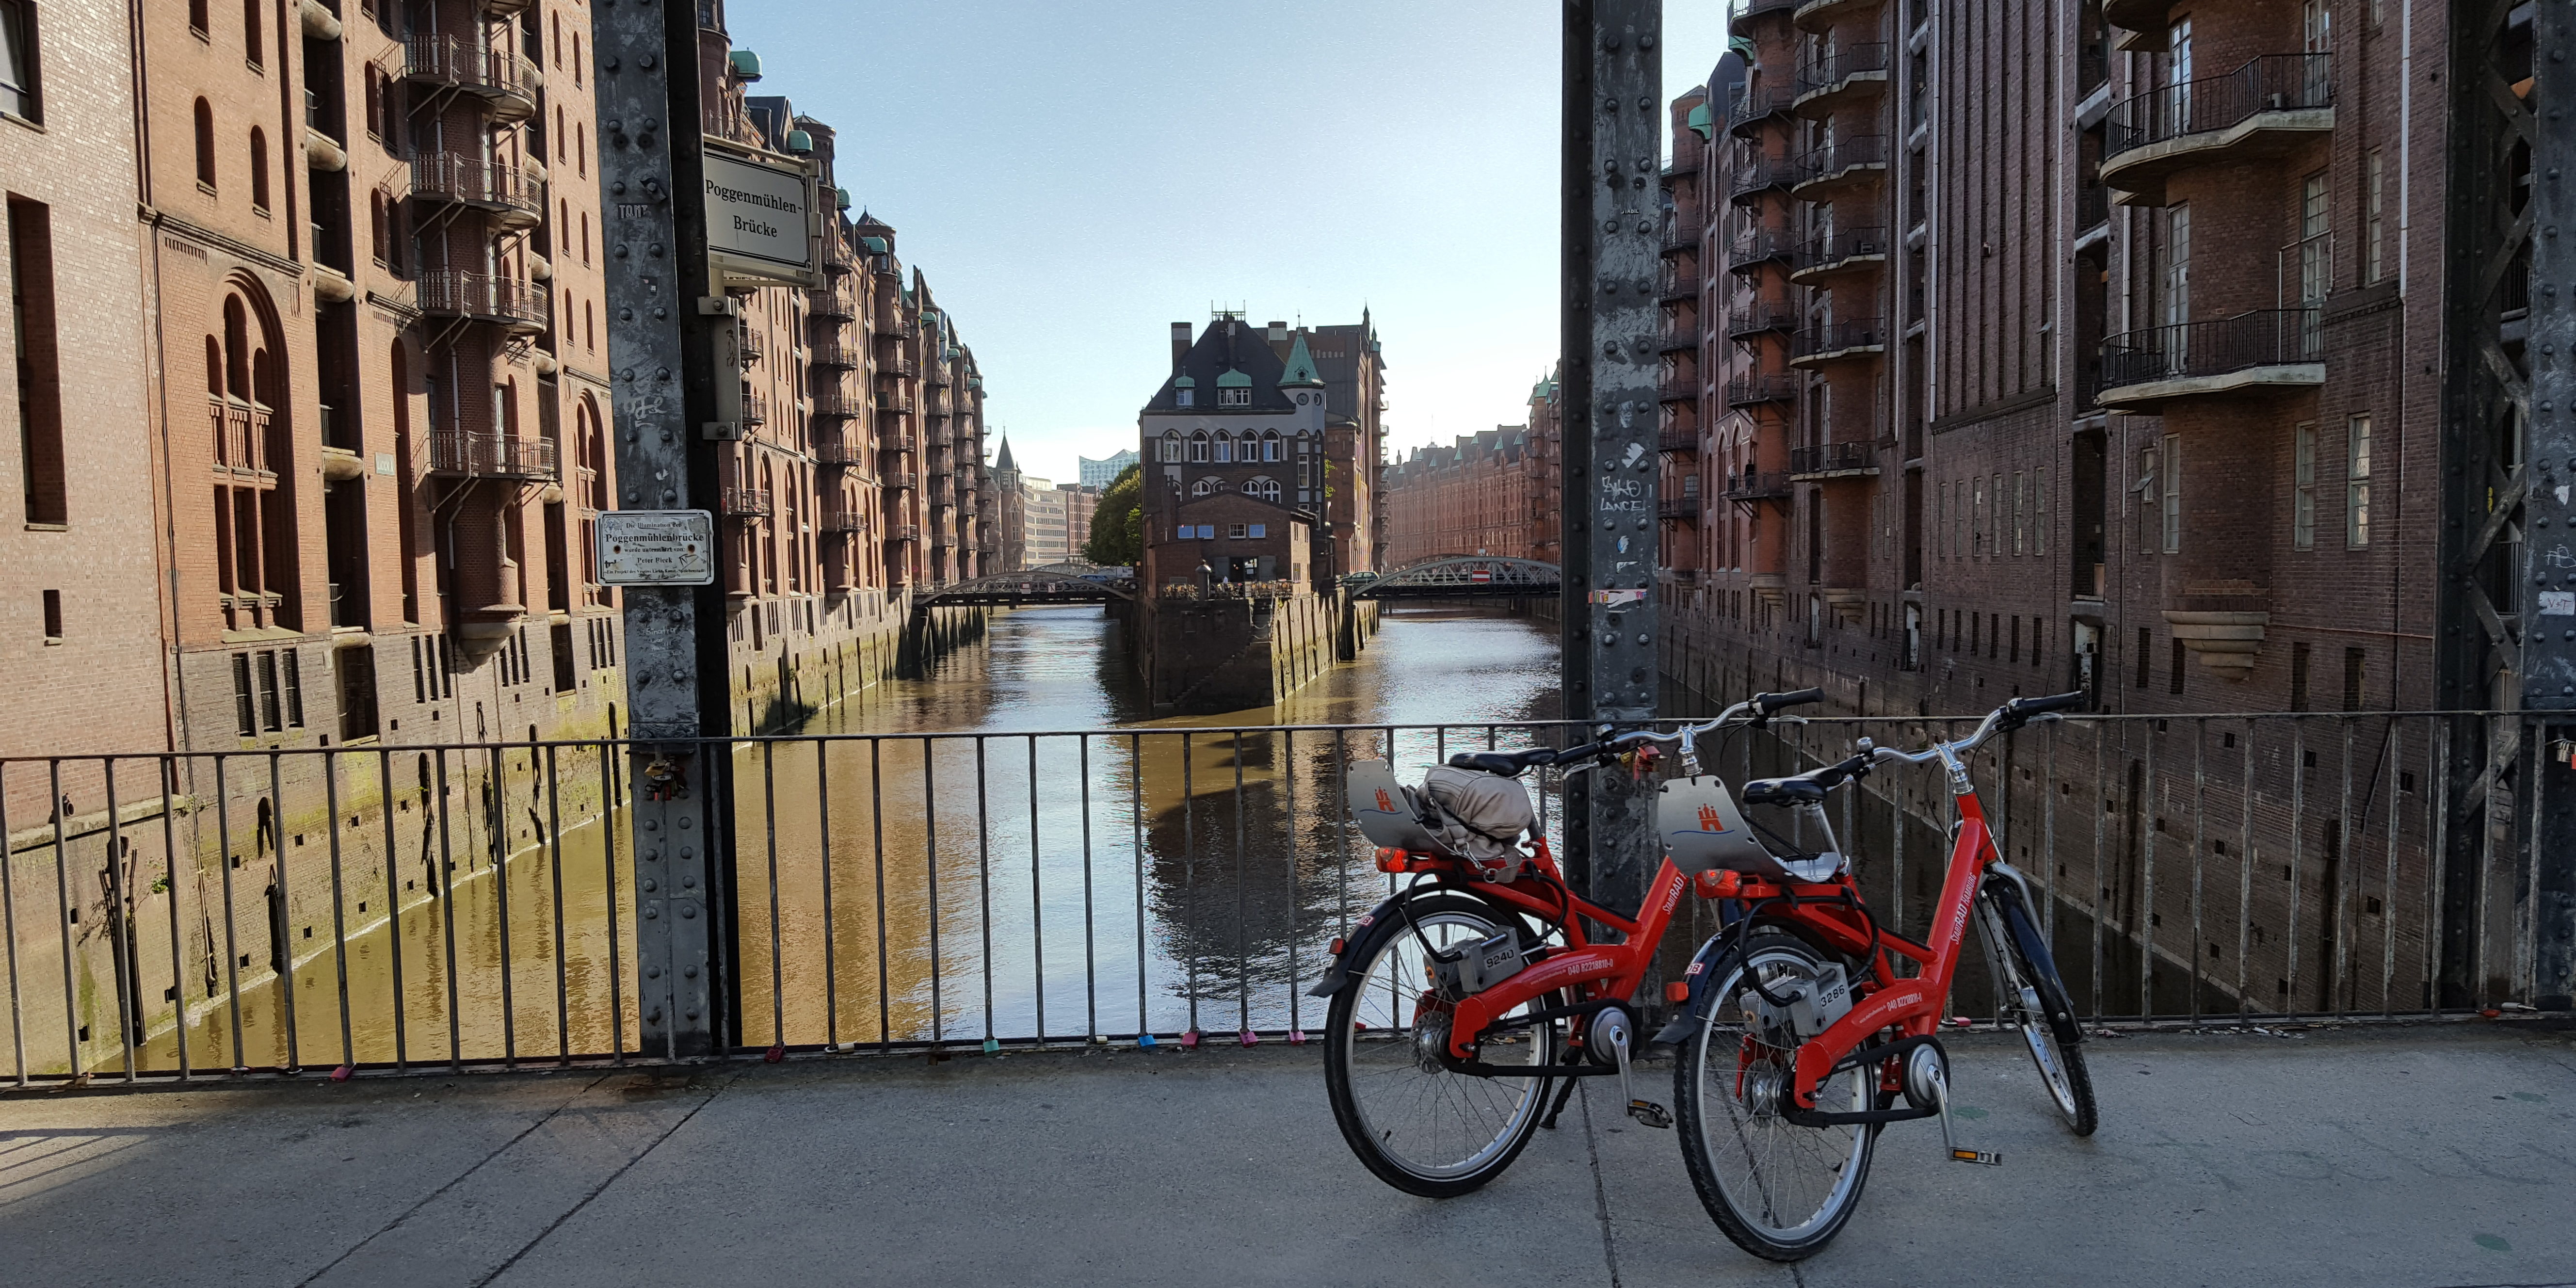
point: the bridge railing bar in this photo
(2293, 902)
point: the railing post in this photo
(1613, 106)
(663, 388)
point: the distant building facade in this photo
(1469, 498)
(1100, 474)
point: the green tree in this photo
(1118, 526)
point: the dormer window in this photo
(1185, 392)
(1234, 398)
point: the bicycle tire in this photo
(2060, 1062)
(1746, 1113)
(1346, 1051)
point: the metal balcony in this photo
(467, 455)
(1760, 317)
(900, 480)
(1844, 250)
(902, 532)
(747, 502)
(1757, 485)
(752, 343)
(1678, 441)
(522, 307)
(839, 404)
(894, 402)
(1751, 250)
(1752, 391)
(837, 258)
(1832, 460)
(1756, 104)
(840, 521)
(2273, 103)
(1817, 15)
(1835, 341)
(1682, 338)
(832, 353)
(894, 442)
(1757, 175)
(1828, 172)
(500, 77)
(830, 305)
(1681, 284)
(513, 197)
(1848, 73)
(2260, 352)
(838, 453)
(898, 365)
(1749, 10)
(1677, 387)
(755, 408)
(1682, 509)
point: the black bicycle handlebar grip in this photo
(1766, 703)
(2042, 706)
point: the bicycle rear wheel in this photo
(2032, 998)
(1418, 1126)
(1779, 1190)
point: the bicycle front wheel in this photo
(2033, 999)
(1418, 1126)
(1779, 1190)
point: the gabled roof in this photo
(1227, 355)
(1301, 373)
(1302, 516)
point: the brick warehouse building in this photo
(2021, 348)
(1469, 498)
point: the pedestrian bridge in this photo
(1057, 583)
(1465, 577)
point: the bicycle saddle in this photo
(1783, 791)
(1507, 763)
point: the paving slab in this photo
(2442, 1157)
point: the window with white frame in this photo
(1233, 397)
(1199, 447)
(1171, 445)
(2039, 511)
(1224, 447)
(2356, 487)
(2374, 227)
(1977, 520)
(2303, 486)
(2021, 512)
(2171, 468)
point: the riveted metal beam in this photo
(1613, 106)
(662, 390)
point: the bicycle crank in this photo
(1927, 1086)
(1612, 1032)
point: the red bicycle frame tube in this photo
(1913, 1005)
(1600, 970)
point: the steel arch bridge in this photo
(1466, 577)
(1056, 583)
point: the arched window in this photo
(1265, 487)
(1270, 445)
(205, 146)
(1171, 444)
(258, 170)
(589, 327)
(380, 233)
(250, 33)
(214, 368)
(1203, 487)
(585, 237)
(1224, 446)
(197, 21)
(1199, 446)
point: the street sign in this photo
(761, 217)
(657, 548)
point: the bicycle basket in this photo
(1704, 830)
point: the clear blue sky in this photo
(1075, 177)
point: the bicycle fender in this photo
(2034, 946)
(1701, 975)
(1337, 976)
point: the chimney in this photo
(1279, 333)
(1180, 343)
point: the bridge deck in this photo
(2420, 1156)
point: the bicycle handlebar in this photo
(2004, 719)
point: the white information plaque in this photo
(657, 548)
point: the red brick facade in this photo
(1474, 497)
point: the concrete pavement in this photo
(2436, 1156)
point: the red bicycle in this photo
(1460, 1002)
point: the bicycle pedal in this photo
(1976, 1156)
(1651, 1114)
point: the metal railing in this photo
(1840, 157)
(2266, 83)
(187, 916)
(1678, 508)
(1842, 64)
(838, 521)
(1843, 244)
(495, 455)
(2220, 346)
(1757, 316)
(467, 63)
(1755, 175)
(484, 298)
(830, 304)
(836, 451)
(1746, 391)
(755, 407)
(747, 502)
(1758, 246)
(1757, 485)
(833, 353)
(1838, 337)
(1831, 458)
(1678, 386)
(2092, 205)
(1681, 337)
(894, 401)
(1682, 439)
(841, 403)
(477, 182)
(1756, 103)
(1751, 9)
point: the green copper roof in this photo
(1301, 368)
(1699, 120)
(1184, 382)
(746, 64)
(1234, 380)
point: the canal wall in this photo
(1218, 654)
(795, 657)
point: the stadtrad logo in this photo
(1709, 821)
(1384, 802)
